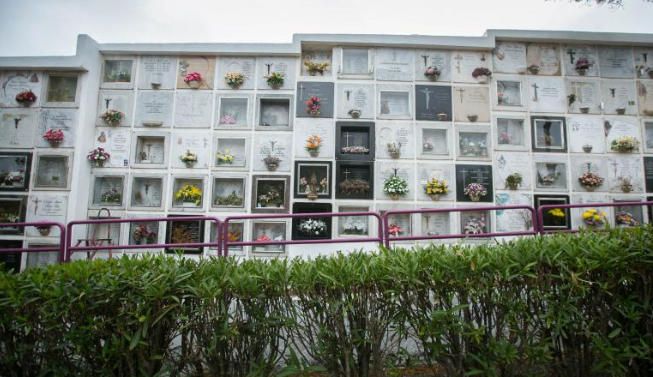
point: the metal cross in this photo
(427, 96)
(459, 58)
(645, 56)
(426, 60)
(460, 90)
(301, 90)
(348, 93)
(269, 65)
(347, 139)
(36, 204)
(535, 87)
(346, 173)
(106, 102)
(571, 54)
(612, 92)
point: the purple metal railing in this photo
(388, 238)
(70, 249)
(61, 248)
(225, 229)
(541, 209)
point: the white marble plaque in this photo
(507, 163)
(394, 64)
(157, 72)
(586, 131)
(243, 65)
(354, 62)
(619, 97)
(645, 94)
(433, 224)
(267, 65)
(12, 83)
(154, 109)
(583, 96)
(625, 167)
(58, 119)
(571, 54)
(546, 94)
(273, 144)
(18, 128)
(463, 63)
(46, 207)
(384, 170)
(617, 127)
(204, 65)
(353, 97)
(433, 58)
(195, 142)
(116, 142)
(121, 100)
(428, 171)
(471, 104)
(513, 220)
(582, 164)
(545, 57)
(193, 109)
(396, 134)
(644, 62)
(320, 127)
(509, 57)
(616, 62)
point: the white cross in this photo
(427, 96)
(459, 58)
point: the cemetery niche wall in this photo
(327, 124)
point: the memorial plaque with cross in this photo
(468, 174)
(323, 91)
(433, 102)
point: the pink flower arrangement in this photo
(263, 238)
(193, 76)
(53, 136)
(394, 230)
(432, 73)
(504, 138)
(481, 71)
(313, 106)
(26, 97)
(583, 64)
(98, 154)
(475, 191)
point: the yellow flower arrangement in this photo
(594, 217)
(436, 187)
(556, 212)
(189, 193)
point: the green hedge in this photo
(565, 305)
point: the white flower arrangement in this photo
(313, 227)
(395, 186)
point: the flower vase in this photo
(395, 196)
(275, 85)
(650, 73)
(189, 164)
(589, 188)
(26, 103)
(584, 110)
(474, 198)
(44, 230)
(472, 118)
(311, 195)
(587, 148)
(314, 152)
(581, 71)
(482, 79)
(99, 163)
(512, 186)
(54, 143)
(155, 85)
(355, 114)
(432, 77)
(194, 84)
(272, 166)
(442, 117)
(395, 155)
(188, 204)
(621, 111)
(435, 197)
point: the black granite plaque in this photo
(354, 180)
(467, 174)
(648, 173)
(551, 218)
(10, 261)
(301, 233)
(191, 231)
(355, 141)
(321, 90)
(433, 102)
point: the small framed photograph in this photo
(15, 171)
(312, 180)
(554, 218)
(270, 194)
(549, 134)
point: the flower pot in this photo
(482, 79)
(434, 197)
(581, 71)
(275, 86)
(394, 196)
(190, 164)
(314, 72)
(54, 143)
(474, 198)
(512, 186)
(395, 155)
(533, 69)
(432, 77)
(99, 163)
(188, 204)
(311, 196)
(112, 123)
(621, 111)
(272, 166)
(44, 230)
(472, 118)
(587, 148)
(355, 114)
(442, 117)
(194, 84)
(155, 85)
(584, 110)
(26, 103)
(626, 188)
(589, 188)
(314, 152)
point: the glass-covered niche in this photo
(351, 226)
(554, 218)
(229, 193)
(118, 72)
(473, 143)
(354, 180)
(184, 232)
(235, 233)
(12, 210)
(434, 224)
(433, 142)
(233, 112)
(266, 231)
(475, 222)
(314, 227)
(150, 150)
(648, 136)
(15, 171)
(144, 233)
(61, 89)
(509, 93)
(188, 193)
(270, 194)
(394, 103)
(231, 152)
(147, 192)
(356, 62)
(52, 172)
(551, 176)
(274, 113)
(510, 134)
(312, 180)
(108, 191)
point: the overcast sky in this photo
(50, 27)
